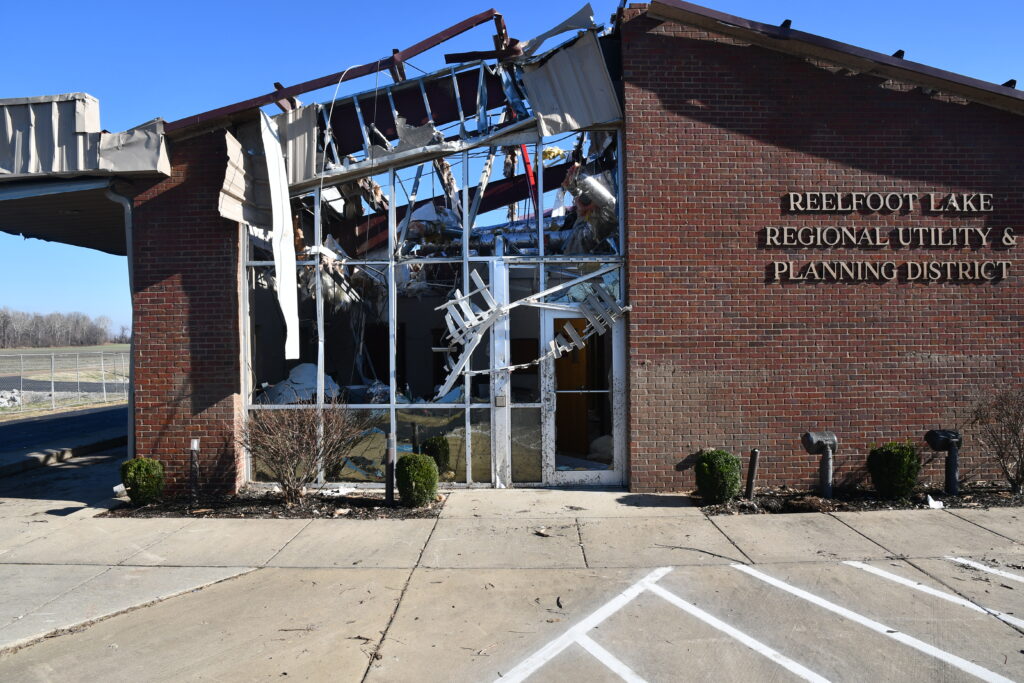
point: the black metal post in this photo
(953, 470)
(755, 455)
(825, 472)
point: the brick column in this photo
(185, 320)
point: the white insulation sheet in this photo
(283, 236)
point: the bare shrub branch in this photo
(998, 424)
(296, 445)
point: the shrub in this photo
(292, 447)
(416, 478)
(437, 448)
(998, 424)
(894, 468)
(144, 480)
(718, 476)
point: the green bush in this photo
(144, 480)
(894, 468)
(718, 476)
(437, 448)
(416, 477)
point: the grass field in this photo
(106, 348)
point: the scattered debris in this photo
(785, 499)
(542, 532)
(262, 504)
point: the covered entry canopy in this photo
(57, 166)
(79, 212)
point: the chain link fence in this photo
(31, 382)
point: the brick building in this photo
(808, 236)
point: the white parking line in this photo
(578, 634)
(549, 651)
(949, 597)
(755, 645)
(985, 568)
(609, 660)
(921, 646)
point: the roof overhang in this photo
(808, 45)
(76, 211)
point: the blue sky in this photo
(144, 60)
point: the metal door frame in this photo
(616, 476)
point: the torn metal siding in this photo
(60, 135)
(298, 131)
(570, 89)
(140, 149)
(234, 203)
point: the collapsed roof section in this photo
(516, 100)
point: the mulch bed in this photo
(855, 499)
(267, 505)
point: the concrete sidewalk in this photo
(496, 576)
(38, 441)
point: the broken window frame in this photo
(369, 167)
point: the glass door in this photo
(582, 412)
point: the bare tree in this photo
(998, 424)
(34, 330)
(293, 448)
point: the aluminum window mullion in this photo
(244, 249)
(318, 240)
(308, 262)
(392, 317)
(466, 382)
(620, 208)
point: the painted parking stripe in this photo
(948, 597)
(755, 645)
(919, 645)
(985, 568)
(549, 651)
(608, 659)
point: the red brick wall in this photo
(716, 134)
(185, 308)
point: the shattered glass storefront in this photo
(445, 253)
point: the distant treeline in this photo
(33, 330)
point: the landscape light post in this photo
(193, 472)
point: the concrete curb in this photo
(52, 456)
